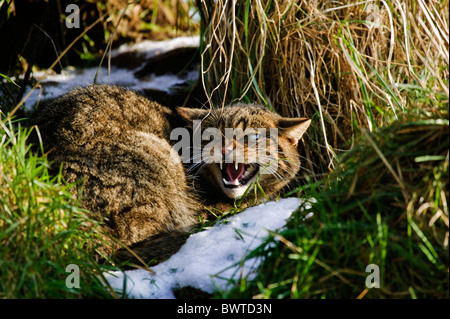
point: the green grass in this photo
(42, 229)
(363, 215)
(376, 89)
(377, 150)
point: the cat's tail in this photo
(154, 249)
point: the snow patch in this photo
(211, 259)
(55, 85)
(152, 48)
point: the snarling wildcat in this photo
(144, 181)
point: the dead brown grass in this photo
(347, 65)
(149, 19)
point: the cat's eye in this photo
(253, 137)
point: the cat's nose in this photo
(228, 147)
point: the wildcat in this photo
(117, 145)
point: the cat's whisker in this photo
(196, 159)
(198, 170)
(195, 166)
(286, 170)
(303, 158)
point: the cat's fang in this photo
(247, 172)
(231, 183)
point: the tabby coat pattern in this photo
(115, 144)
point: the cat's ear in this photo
(293, 128)
(190, 114)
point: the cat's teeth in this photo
(234, 183)
(221, 164)
(236, 165)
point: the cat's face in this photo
(243, 144)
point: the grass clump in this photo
(345, 65)
(42, 230)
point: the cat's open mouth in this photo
(237, 174)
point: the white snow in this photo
(55, 85)
(211, 259)
(152, 48)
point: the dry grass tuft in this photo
(143, 19)
(347, 66)
(373, 76)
